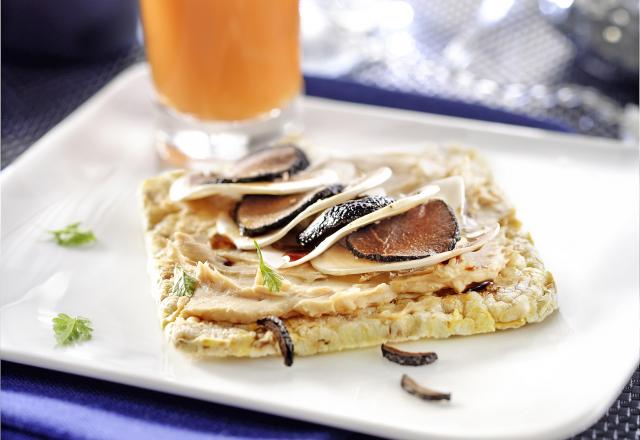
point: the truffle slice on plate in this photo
(428, 229)
(267, 164)
(338, 216)
(259, 214)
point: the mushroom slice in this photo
(338, 216)
(421, 232)
(279, 330)
(193, 186)
(395, 208)
(259, 214)
(229, 228)
(424, 393)
(266, 164)
(402, 357)
(339, 261)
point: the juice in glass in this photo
(229, 68)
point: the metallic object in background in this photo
(459, 51)
(502, 54)
(605, 34)
(339, 36)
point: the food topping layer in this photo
(437, 253)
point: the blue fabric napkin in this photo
(38, 403)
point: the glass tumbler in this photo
(226, 74)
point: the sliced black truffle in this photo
(422, 231)
(259, 214)
(339, 216)
(413, 359)
(267, 164)
(276, 326)
(412, 387)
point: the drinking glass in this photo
(226, 74)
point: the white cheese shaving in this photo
(183, 189)
(339, 261)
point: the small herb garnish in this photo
(270, 278)
(183, 283)
(72, 236)
(70, 330)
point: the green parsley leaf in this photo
(183, 283)
(70, 330)
(72, 235)
(270, 278)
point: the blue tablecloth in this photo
(38, 403)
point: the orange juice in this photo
(223, 60)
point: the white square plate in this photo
(578, 196)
